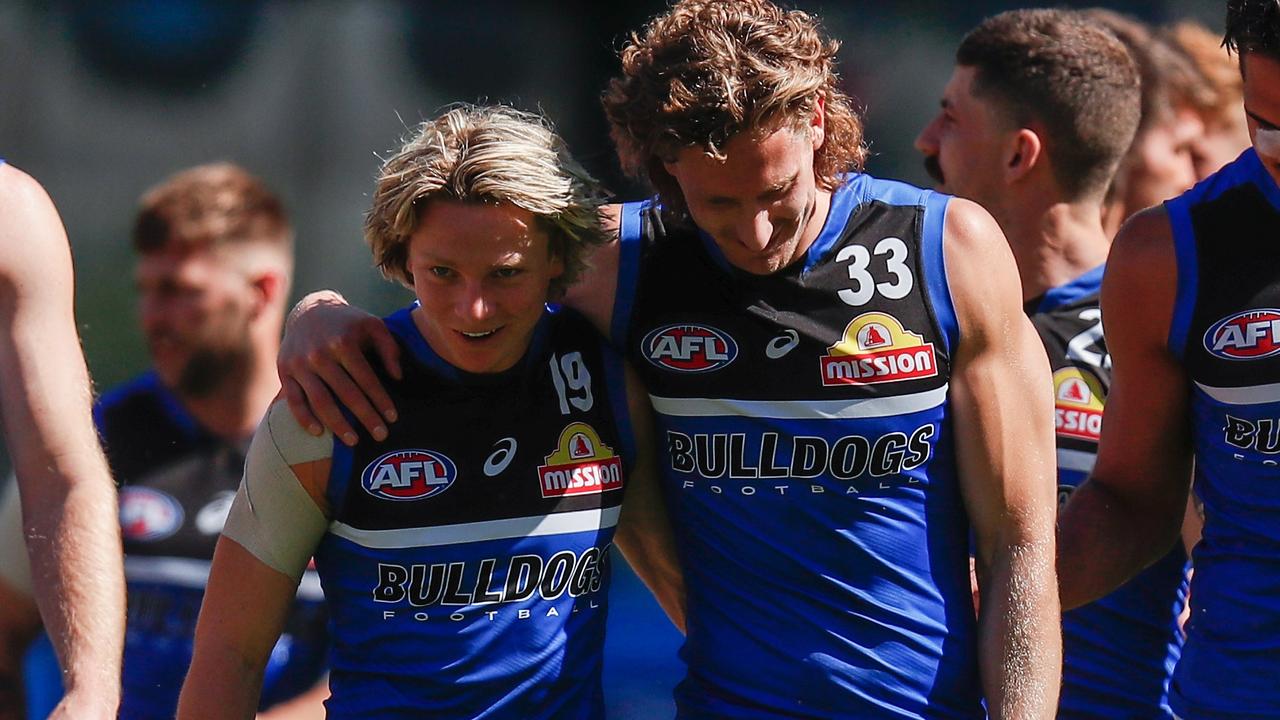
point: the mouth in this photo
(934, 169)
(479, 335)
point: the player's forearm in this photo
(656, 565)
(221, 684)
(1102, 543)
(1020, 635)
(74, 546)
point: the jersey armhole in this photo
(630, 239)
(1184, 248)
(615, 379)
(933, 263)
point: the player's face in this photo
(1262, 108)
(195, 308)
(964, 144)
(1161, 162)
(760, 203)
(482, 274)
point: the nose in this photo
(474, 303)
(927, 141)
(756, 230)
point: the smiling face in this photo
(1262, 107)
(761, 202)
(482, 274)
(963, 145)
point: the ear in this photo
(1023, 153)
(818, 123)
(269, 288)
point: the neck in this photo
(233, 410)
(818, 220)
(1057, 245)
(1113, 216)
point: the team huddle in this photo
(867, 444)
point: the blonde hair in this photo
(1220, 71)
(711, 69)
(486, 154)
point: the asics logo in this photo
(781, 345)
(501, 457)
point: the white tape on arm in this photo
(272, 516)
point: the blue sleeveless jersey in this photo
(1226, 330)
(467, 563)
(176, 485)
(1118, 652)
(809, 462)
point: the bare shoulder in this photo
(1142, 269)
(31, 233)
(981, 273)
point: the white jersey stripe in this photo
(559, 523)
(801, 409)
(1252, 395)
(194, 574)
(1077, 460)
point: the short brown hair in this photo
(1055, 68)
(486, 154)
(708, 70)
(210, 206)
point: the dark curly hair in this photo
(708, 70)
(1253, 26)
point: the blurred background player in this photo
(826, 563)
(1226, 132)
(1161, 161)
(214, 259)
(466, 555)
(1040, 109)
(1189, 298)
(71, 537)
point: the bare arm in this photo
(246, 604)
(68, 498)
(644, 530)
(1000, 393)
(322, 359)
(307, 706)
(272, 529)
(1128, 513)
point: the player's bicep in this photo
(278, 515)
(1000, 390)
(1145, 431)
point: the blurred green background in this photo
(100, 99)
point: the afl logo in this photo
(1250, 335)
(689, 348)
(408, 475)
(148, 515)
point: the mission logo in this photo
(580, 465)
(1250, 335)
(1078, 403)
(876, 348)
(689, 348)
(408, 475)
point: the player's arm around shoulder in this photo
(68, 499)
(1128, 513)
(276, 521)
(1001, 394)
(644, 529)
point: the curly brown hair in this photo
(708, 70)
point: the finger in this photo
(357, 365)
(322, 404)
(297, 401)
(387, 348)
(351, 396)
